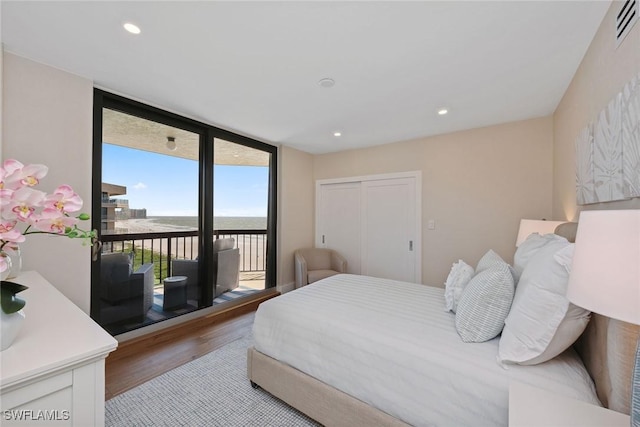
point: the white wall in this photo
(47, 119)
(296, 210)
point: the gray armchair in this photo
(124, 294)
(313, 264)
(226, 269)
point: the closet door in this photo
(389, 235)
(338, 221)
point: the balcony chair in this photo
(124, 294)
(226, 269)
(313, 264)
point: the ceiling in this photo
(254, 67)
(134, 132)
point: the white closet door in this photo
(389, 229)
(339, 221)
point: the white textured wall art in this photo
(631, 137)
(584, 167)
(608, 151)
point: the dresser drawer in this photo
(46, 402)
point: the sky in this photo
(168, 186)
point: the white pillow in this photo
(528, 248)
(564, 257)
(490, 259)
(485, 304)
(460, 274)
(542, 323)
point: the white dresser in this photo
(53, 373)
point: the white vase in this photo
(5, 274)
(16, 263)
(10, 325)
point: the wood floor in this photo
(139, 360)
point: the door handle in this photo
(410, 245)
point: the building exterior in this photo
(112, 207)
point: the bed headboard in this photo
(607, 348)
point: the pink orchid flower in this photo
(54, 221)
(24, 210)
(3, 173)
(11, 165)
(5, 197)
(23, 203)
(63, 199)
(15, 175)
(28, 176)
(9, 232)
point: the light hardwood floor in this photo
(139, 360)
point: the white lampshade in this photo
(530, 226)
(605, 273)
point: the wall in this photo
(477, 185)
(47, 119)
(296, 210)
(602, 74)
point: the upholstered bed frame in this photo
(607, 348)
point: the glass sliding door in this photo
(240, 207)
(149, 223)
(186, 213)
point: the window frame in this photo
(208, 133)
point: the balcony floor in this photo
(252, 279)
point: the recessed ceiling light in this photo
(132, 28)
(336, 134)
(327, 82)
(171, 143)
(443, 111)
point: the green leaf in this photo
(9, 302)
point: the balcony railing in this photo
(160, 248)
(111, 201)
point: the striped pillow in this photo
(485, 304)
(488, 260)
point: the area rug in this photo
(212, 390)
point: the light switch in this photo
(431, 224)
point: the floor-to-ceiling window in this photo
(186, 215)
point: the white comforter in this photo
(392, 345)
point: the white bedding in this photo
(392, 345)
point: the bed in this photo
(355, 350)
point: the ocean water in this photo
(219, 222)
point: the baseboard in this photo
(287, 287)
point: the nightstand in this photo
(533, 407)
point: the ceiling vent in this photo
(625, 19)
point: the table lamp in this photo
(540, 226)
(605, 274)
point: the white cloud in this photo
(140, 186)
